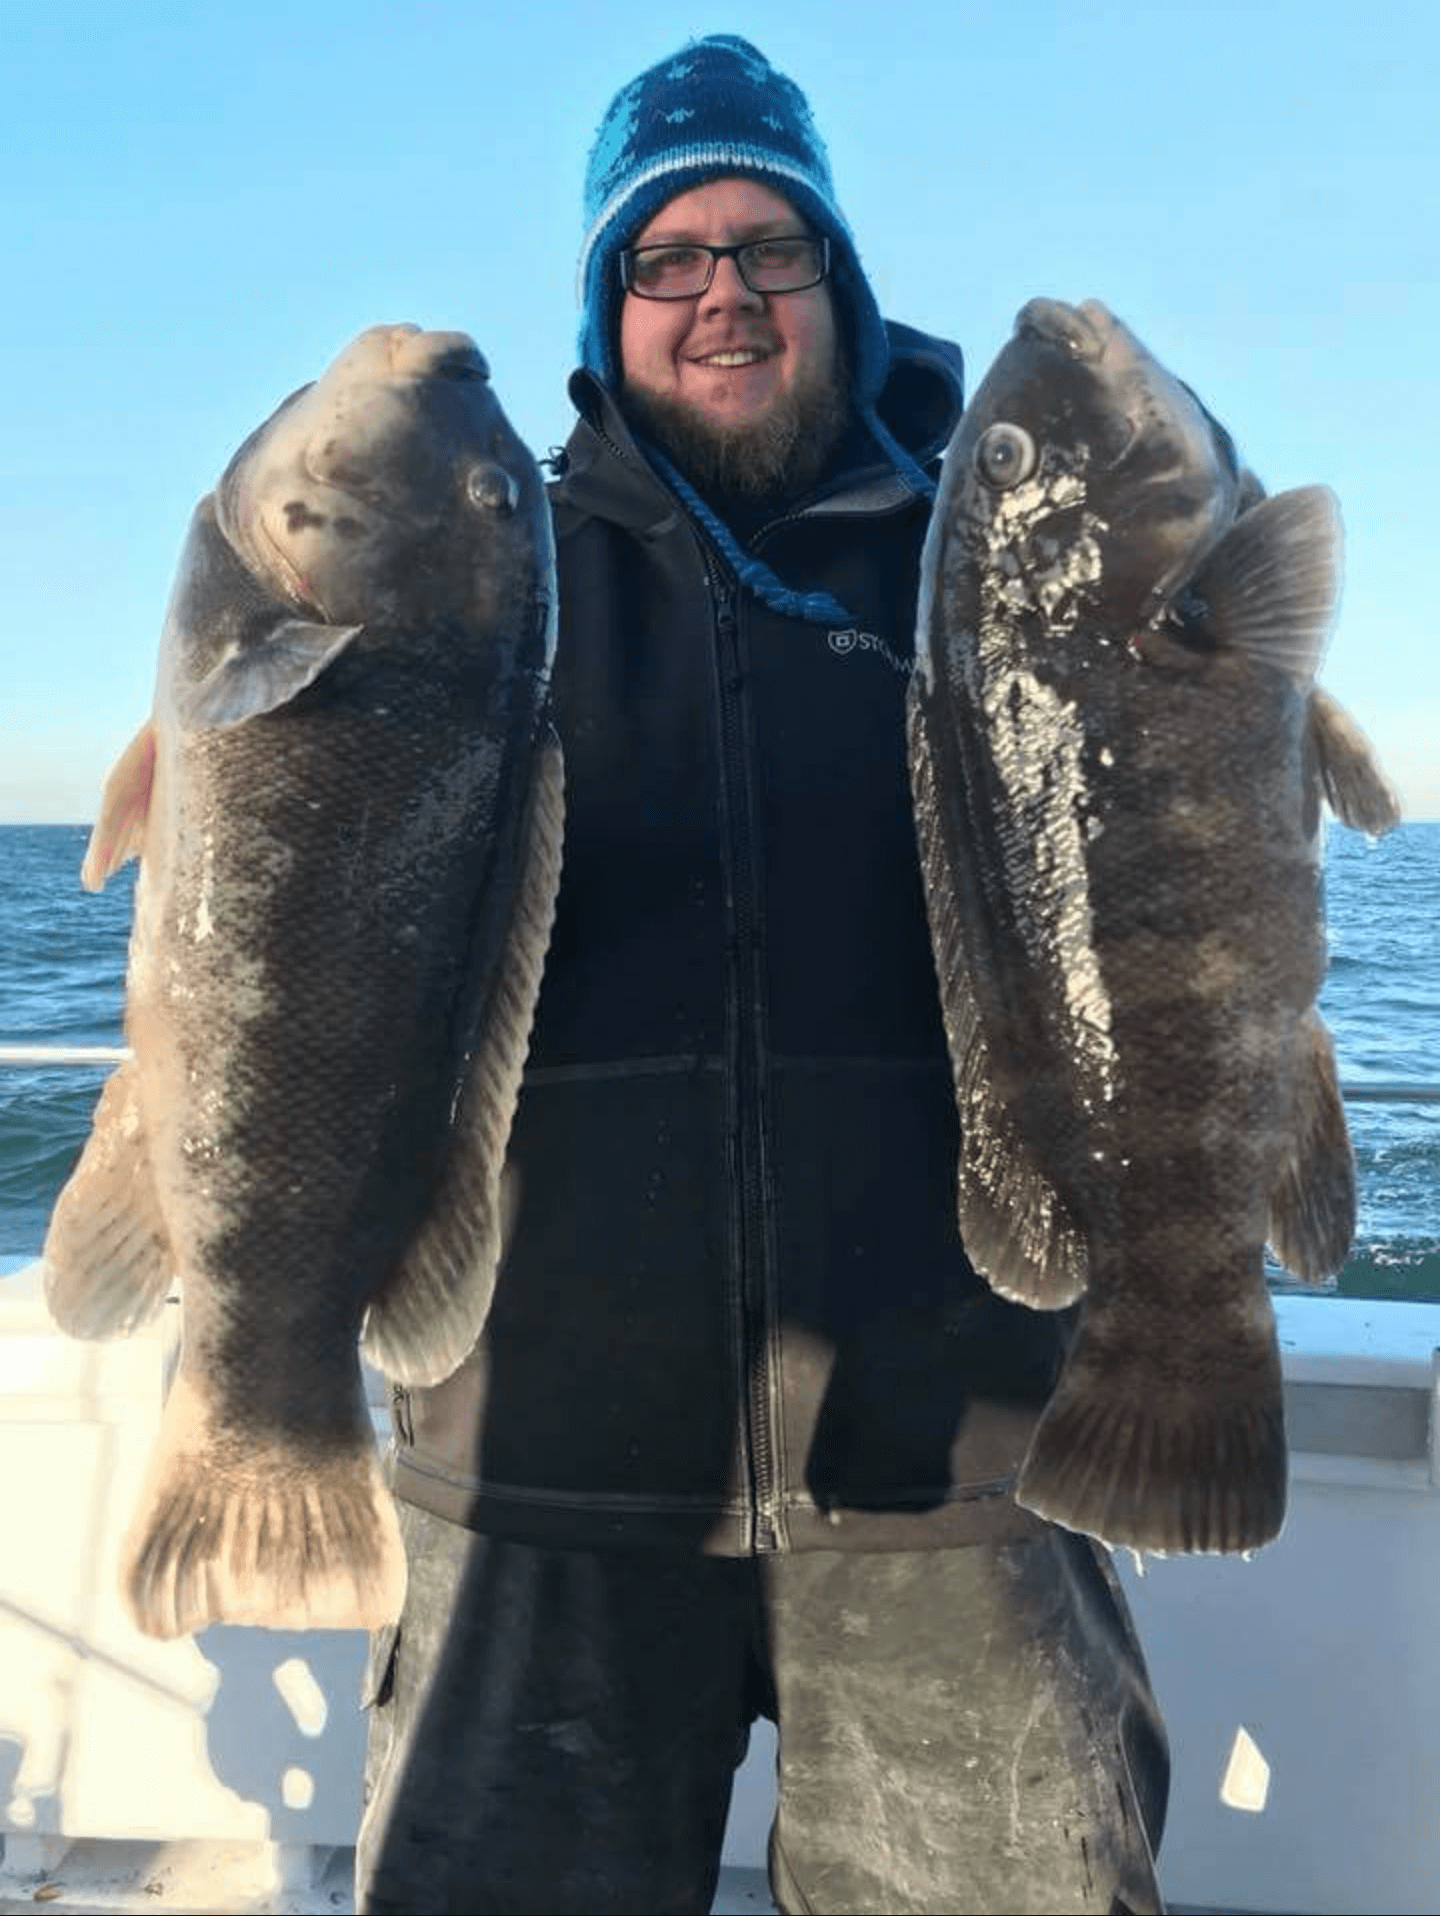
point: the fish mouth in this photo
(407, 351)
(386, 364)
(438, 355)
(1090, 337)
(1081, 331)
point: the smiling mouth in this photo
(734, 356)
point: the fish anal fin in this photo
(231, 1529)
(1312, 1208)
(1136, 1455)
(107, 1254)
(1271, 586)
(425, 1319)
(119, 831)
(1356, 789)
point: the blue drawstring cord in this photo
(816, 608)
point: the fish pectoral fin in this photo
(107, 1257)
(1356, 789)
(1312, 1208)
(119, 831)
(235, 1526)
(425, 1319)
(1272, 584)
(265, 673)
(1150, 1450)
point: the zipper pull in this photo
(722, 596)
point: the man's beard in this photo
(780, 454)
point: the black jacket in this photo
(735, 1314)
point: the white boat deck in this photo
(239, 1879)
(1301, 1689)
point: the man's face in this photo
(728, 364)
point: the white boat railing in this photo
(1367, 1093)
(44, 1054)
(1357, 1091)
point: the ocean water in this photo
(62, 963)
(1381, 1001)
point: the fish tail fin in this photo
(422, 1324)
(1196, 1462)
(232, 1528)
(107, 1254)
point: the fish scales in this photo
(1118, 755)
(310, 1046)
(348, 809)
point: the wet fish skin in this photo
(347, 807)
(1119, 756)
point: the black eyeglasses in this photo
(786, 264)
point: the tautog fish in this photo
(347, 808)
(1118, 756)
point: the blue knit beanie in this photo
(717, 107)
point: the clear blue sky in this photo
(201, 203)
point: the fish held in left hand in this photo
(347, 806)
(1119, 754)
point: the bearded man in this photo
(741, 1435)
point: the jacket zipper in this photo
(745, 1018)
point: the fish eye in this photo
(1004, 455)
(492, 488)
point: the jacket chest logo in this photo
(853, 640)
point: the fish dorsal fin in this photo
(1017, 1231)
(1356, 789)
(264, 674)
(1272, 584)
